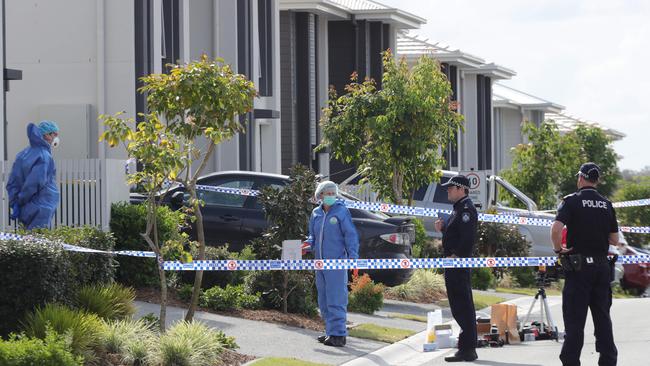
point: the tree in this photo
(545, 168)
(161, 159)
(394, 135)
(201, 99)
(635, 189)
(538, 166)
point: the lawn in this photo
(528, 291)
(278, 361)
(379, 333)
(417, 318)
(480, 301)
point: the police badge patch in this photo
(465, 217)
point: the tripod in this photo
(548, 331)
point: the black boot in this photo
(322, 338)
(335, 341)
(461, 356)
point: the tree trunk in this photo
(200, 234)
(285, 291)
(161, 273)
(398, 181)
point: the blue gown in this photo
(32, 183)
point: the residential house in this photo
(471, 79)
(322, 43)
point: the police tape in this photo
(634, 203)
(327, 264)
(381, 264)
(427, 212)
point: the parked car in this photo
(236, 219)
(637, 275)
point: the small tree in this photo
(637, 188)
(201, 99)
(161, 161)
(288, 210)
(394, 135)
(545, 168)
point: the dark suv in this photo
(236, 219)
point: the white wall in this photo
(58, 45)
(468, 147)
(507, 129)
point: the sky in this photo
(590, 56)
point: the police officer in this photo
(459, 234)
(591, 226)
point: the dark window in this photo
(484, 121)
(440, 196)
(244, 66)
(419, 194)
(265, 29)
(170, 51)
(143, 15)
(225, 199)
(451, 152)
(274, 183)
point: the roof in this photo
(360, 9)
(568, 123)
(413, 47)
(506, 96)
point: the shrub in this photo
(109, 302)
(152, 320)
(51, 351)
(229, 298)
(425, 246)
(524, 276)
(425, 286)
(366, 296)
(498, 240)
(219, 278)
(84, 329)
(302, 298)
(127, 223)
(32, 274)
(482, 278)
(132, 340)
(86, 268)
(185, 292)
(189, 344)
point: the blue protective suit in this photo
(32, 183)
(332, 235)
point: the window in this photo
(225, 199)
(265, 32)
(440, 196)
(484, 121)
(451, 152)
(277, 184)
(419, 194)
(170, 37)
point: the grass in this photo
(528, 291)
(417, 318)
(278, 361)
(480, 301)
(379, 333)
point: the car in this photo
(636, 276)
(237, 219)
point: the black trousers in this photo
(588, 288)
(461, 302)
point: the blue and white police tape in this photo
(426, 212)
(634, 203)
(76, 248)
(382, 264)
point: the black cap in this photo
(458, 181)
(589, 171)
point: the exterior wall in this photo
(81, 59)
(468, 147)
(507, 132)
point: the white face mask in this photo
(56, 141)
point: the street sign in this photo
(477, 187)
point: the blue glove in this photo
(15, 211)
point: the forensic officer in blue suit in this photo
(332, 235)
(32, 189)
(459, 235)
(591, 227)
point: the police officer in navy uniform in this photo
(591, 227)
(459, 235)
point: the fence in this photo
(87, 189)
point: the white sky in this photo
(590, 56)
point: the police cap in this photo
(458, 181)
(589, 171)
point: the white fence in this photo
(87, 187)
